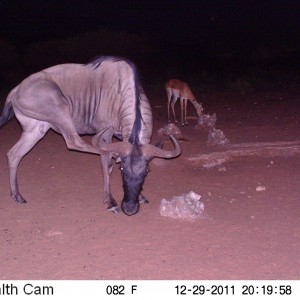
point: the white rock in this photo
(187, 206)
(260, 188)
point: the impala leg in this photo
(169, 95)
(173, 108)
(185, 111)
(182, 110)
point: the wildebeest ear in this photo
(117, 158)
(119, 136)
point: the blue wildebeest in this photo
(104, 98)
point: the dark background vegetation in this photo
(216, 45)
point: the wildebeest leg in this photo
(63, 123)
(74, 141)
(107, 168)
(33, 131)
(45, 101)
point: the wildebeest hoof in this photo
(142, 199)
(19, 199)
(114, 209)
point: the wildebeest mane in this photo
(134, 136)
(98, 60)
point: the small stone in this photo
(260, 188)
(222, 169)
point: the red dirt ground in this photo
(65, 232)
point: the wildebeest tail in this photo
(7, 112)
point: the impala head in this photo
(134, 168)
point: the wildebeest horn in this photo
(152, 151)
(149, 151)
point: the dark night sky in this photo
(182, 29)
(188, 21)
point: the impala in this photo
(177, 89)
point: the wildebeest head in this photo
(134, 168)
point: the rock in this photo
(207, 121)
(186, 207)
(170, 129)
(216, 137)
(260, 188)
